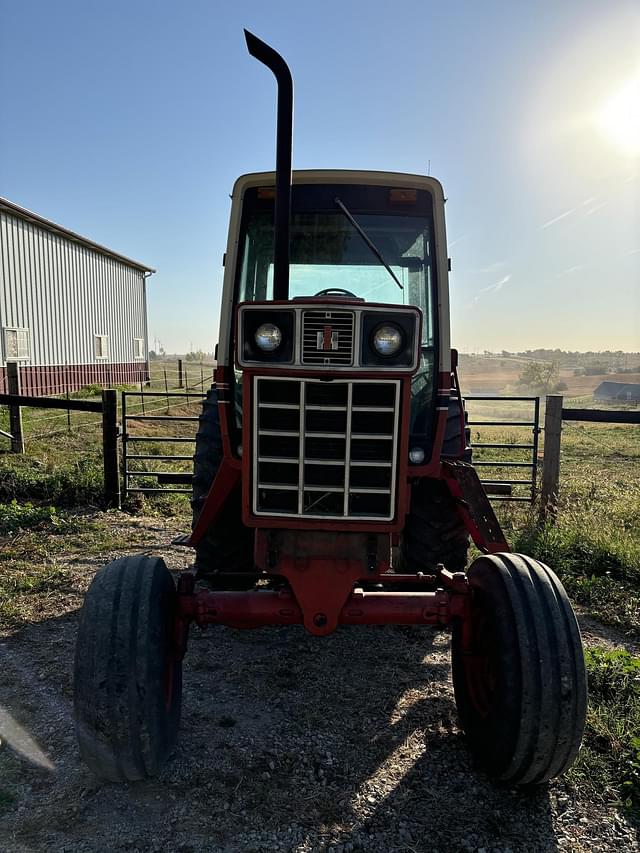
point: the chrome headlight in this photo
(268, 337)
(387, 339)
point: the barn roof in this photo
(618, 389)
(29, 216)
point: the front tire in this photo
(127, 684)
(520, 683)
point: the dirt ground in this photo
(288, 743)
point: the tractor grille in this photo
(325, 449)
(327, 337)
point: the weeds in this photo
(73, 483)
(609, 763)
(593, 544)
(22, 583)
(15, 516)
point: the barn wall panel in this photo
(65, 293)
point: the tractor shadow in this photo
(350, 739)
(286, 739)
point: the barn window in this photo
(102, 346)
(17, 346)
(138, 348)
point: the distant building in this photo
(72, 312)
(622, 391)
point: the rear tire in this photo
(457, 438)
(434, 532)
(521, 688)
(228, 544)
(127, 685)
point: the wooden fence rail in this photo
(107, 407)
(554, 416)
(13, 400)
(601, 416)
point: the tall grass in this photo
(594, 543)
(609, 763)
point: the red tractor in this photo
(332, 482)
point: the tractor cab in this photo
(364, 247)
(338, 378)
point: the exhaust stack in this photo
(284, 137)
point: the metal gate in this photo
(152, 423)
(499, 457)
(152, 420)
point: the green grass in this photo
(22, 585)
(63, 463)
(608, 765)
(37, 560)
(594, 542)
(15, 516)
(72, 476)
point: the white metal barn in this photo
(72, 312)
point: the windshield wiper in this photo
(368, 241)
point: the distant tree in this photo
(153, 355)
(540, 377)
(197, 355)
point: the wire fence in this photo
(162, 378)
(60, 380)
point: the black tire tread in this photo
(455, 445)
(434, 532)
(124, 731)
(534, 735)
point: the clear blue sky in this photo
(129, 121)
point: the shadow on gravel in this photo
(288, 742)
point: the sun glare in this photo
(619, 117)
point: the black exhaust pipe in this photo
(284, 137)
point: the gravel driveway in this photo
(288, 742)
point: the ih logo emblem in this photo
(327, 339)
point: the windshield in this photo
(326, 251)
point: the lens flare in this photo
(619, 118)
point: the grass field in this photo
(593, 544)
(497, 375)
(63, 462)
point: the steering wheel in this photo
(336, 290)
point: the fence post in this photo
(15, 413)
(180, 382)
(110, 448)
(551, 460)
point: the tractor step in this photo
(473, 502)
